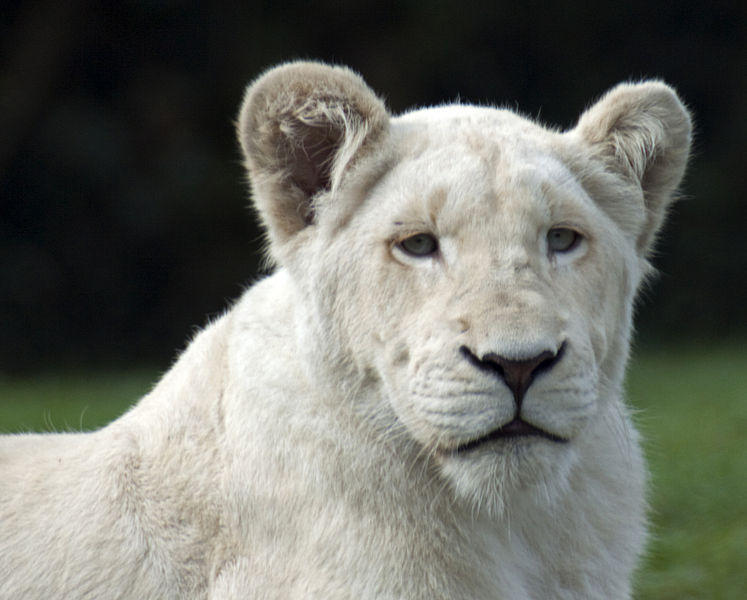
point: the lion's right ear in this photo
(301, 127)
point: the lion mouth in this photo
(513, 429)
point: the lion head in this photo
(470, 272)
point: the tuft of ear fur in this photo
(301, 127)
(642, 132)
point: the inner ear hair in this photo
(642, 132)
(301, 127)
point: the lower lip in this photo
(514, 429)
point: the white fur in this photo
(307, 443)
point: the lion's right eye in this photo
(419, 245)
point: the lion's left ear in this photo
(301, 127)
(642, 132)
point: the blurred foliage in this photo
(124, 217)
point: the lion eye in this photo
(562, 239)
(421, 244)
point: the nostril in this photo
(517, 374)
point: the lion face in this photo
(484, 288)
(477, 270)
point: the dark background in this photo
(124, 220)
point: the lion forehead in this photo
(458, 175)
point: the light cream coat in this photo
(346, 429)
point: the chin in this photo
(490, 476)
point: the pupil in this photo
(419, 245)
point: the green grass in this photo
(692, 409)
(69, 402)
(694, 416)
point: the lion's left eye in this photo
(562, 239)
(421, 244)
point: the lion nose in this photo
(518, 374)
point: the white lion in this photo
(424, 401)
